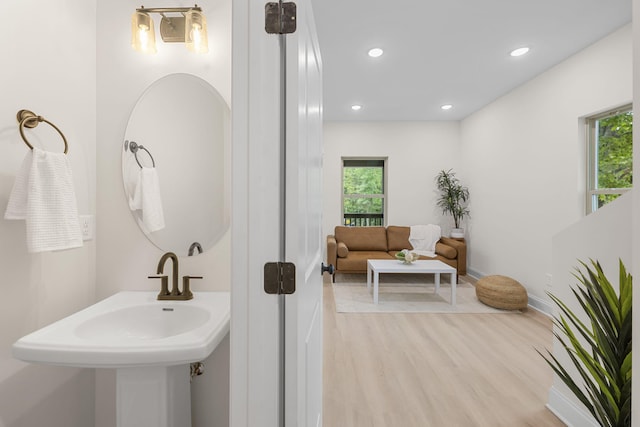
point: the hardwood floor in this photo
(435, 370)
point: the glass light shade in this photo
(195, 30)
(143, 36)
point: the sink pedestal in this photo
(153, 396)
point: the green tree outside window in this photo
(611, 157)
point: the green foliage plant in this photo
(615, 153)
(453, 196)
(366, 182)
(599, 349)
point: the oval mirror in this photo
(174, 164)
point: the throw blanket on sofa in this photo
(423, 238)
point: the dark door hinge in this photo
(279, 278)
(280, 18)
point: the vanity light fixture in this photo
(189, 27)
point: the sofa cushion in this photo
(357, 261)
(446, 251)
(362, 238)
(398, 238)
(343, 250)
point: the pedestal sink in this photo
(150, 343)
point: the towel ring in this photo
(29, 119)
(134, 147)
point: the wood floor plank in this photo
(435, 370)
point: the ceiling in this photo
(446, 52)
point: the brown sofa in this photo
(349, 248)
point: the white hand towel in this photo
(146, 197)
(44, 197)
(17, 206)
(423, 238)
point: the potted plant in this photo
(452, 199)
(600, 347)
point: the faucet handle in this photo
(164, 284)
(186, 292)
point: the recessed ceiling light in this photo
(446, 107)
(519, 51)
(375, 52)
(356, 107)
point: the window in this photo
(610, 155)
(363, 191)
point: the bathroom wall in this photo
(48, 66)
(125, 257)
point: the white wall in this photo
(48, 66)
(523, 156)
(416, 152)
(602, 236)
(125, 257)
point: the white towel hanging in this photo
(146, 197)
(43, 196)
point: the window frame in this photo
(591, 203)
(382, 196)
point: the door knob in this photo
(326, 268)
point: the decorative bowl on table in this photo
(407, 257)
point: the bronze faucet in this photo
(193, 247)
(175, 293)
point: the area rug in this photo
(406, 293)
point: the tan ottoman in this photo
(502, 292)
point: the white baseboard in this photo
(569, 412)
(474, 273)
(544, 307)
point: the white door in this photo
(303, 309)
(256, 226)
(259, 322)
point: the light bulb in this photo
(143, 37)
(196, 32)
(196, 36)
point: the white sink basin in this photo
(142, 322)
(132, 329)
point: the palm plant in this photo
(604, 362)
(453, 196)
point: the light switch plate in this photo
(548, 279)
(87, 227)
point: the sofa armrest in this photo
(332, 250)
(461, 246)
(446, 251)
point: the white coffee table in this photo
(377, 266)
